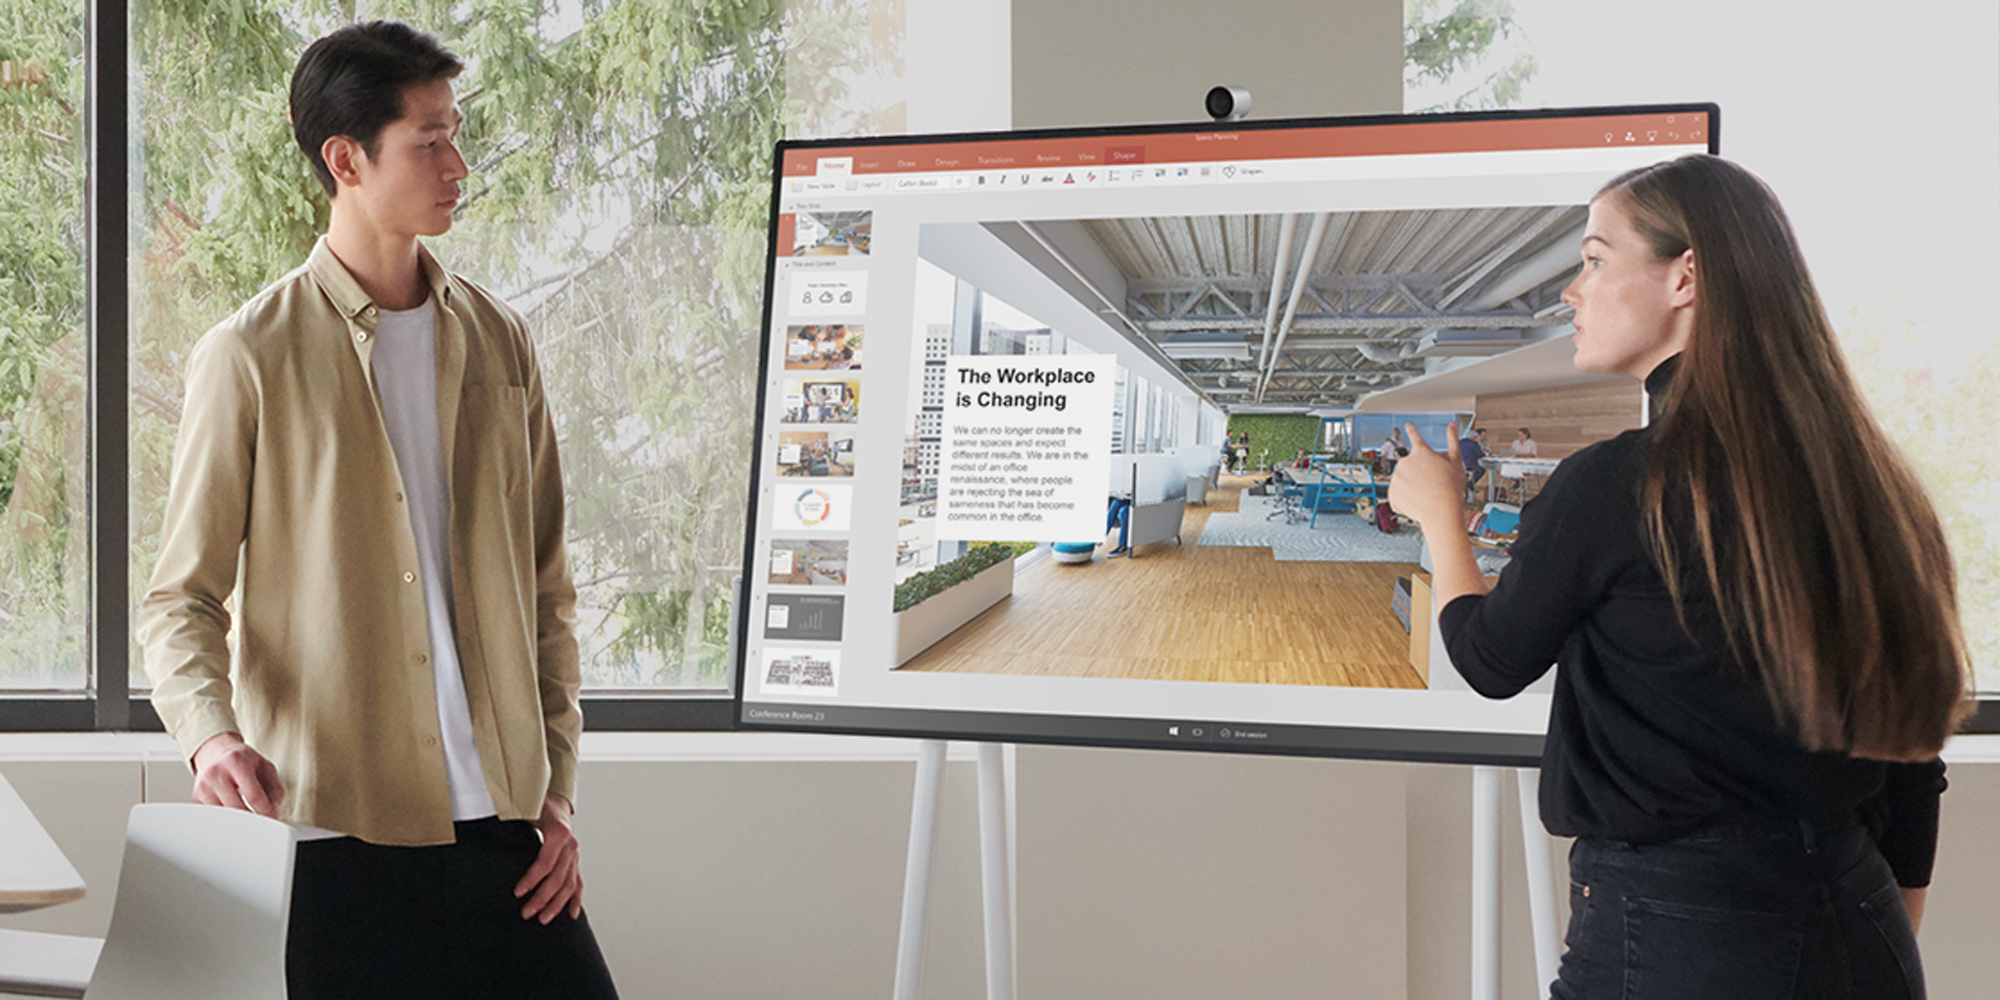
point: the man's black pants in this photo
(433, 923)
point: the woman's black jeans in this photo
(1774, 911)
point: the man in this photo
(1472, 448)
(367, 465)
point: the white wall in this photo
(732, 866)
(1116, 62)
(958, 63)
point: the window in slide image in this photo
(808, 562)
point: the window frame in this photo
(107, 701)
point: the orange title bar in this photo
(1273, 144)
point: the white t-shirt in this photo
(405, 360)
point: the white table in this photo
(1510, 467)
(33, 871)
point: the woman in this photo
(1753, 619)
(1524, 444)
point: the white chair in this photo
(204, 904)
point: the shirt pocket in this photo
(493, 436)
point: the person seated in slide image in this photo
(1524, 444)
(1119, 515)
(1471, 450)
(1746, 720)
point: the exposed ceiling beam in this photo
(1284, 259)
(1308, 259)
(1367, 321)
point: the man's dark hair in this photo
(351, 83)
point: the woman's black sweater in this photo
(1657, 730)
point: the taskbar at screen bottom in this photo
(1204, 735)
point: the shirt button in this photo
(409, 577)
(430, 741)
(360, 335)
(399, 498)
(422, 659)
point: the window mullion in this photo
(106, 488)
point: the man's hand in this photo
(555, 879)
(1429, 486)
(229, 774)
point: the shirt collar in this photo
(346, 294)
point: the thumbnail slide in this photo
(813, 671)
(804, 617)
(816, 453)
(814, 507)
(822, 400)
(832, 234)
(808, 562)
(817, 293)
(823, 347)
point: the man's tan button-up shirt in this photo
(285, 493)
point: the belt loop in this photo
(1808, 837)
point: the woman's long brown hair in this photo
(1828, 564)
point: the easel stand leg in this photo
(995, 872)
(1537, 845)
(1486, 883)
(917, 871)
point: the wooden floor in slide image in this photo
(1191, 613)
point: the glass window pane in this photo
(618, 197)
(44, 533)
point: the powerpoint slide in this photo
(808, 562)
(816, 453)
(823, 347)
(800, 671)
(1291, 598)
(822, 400)
(816, 294)
(819, 507)
(832, 234)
